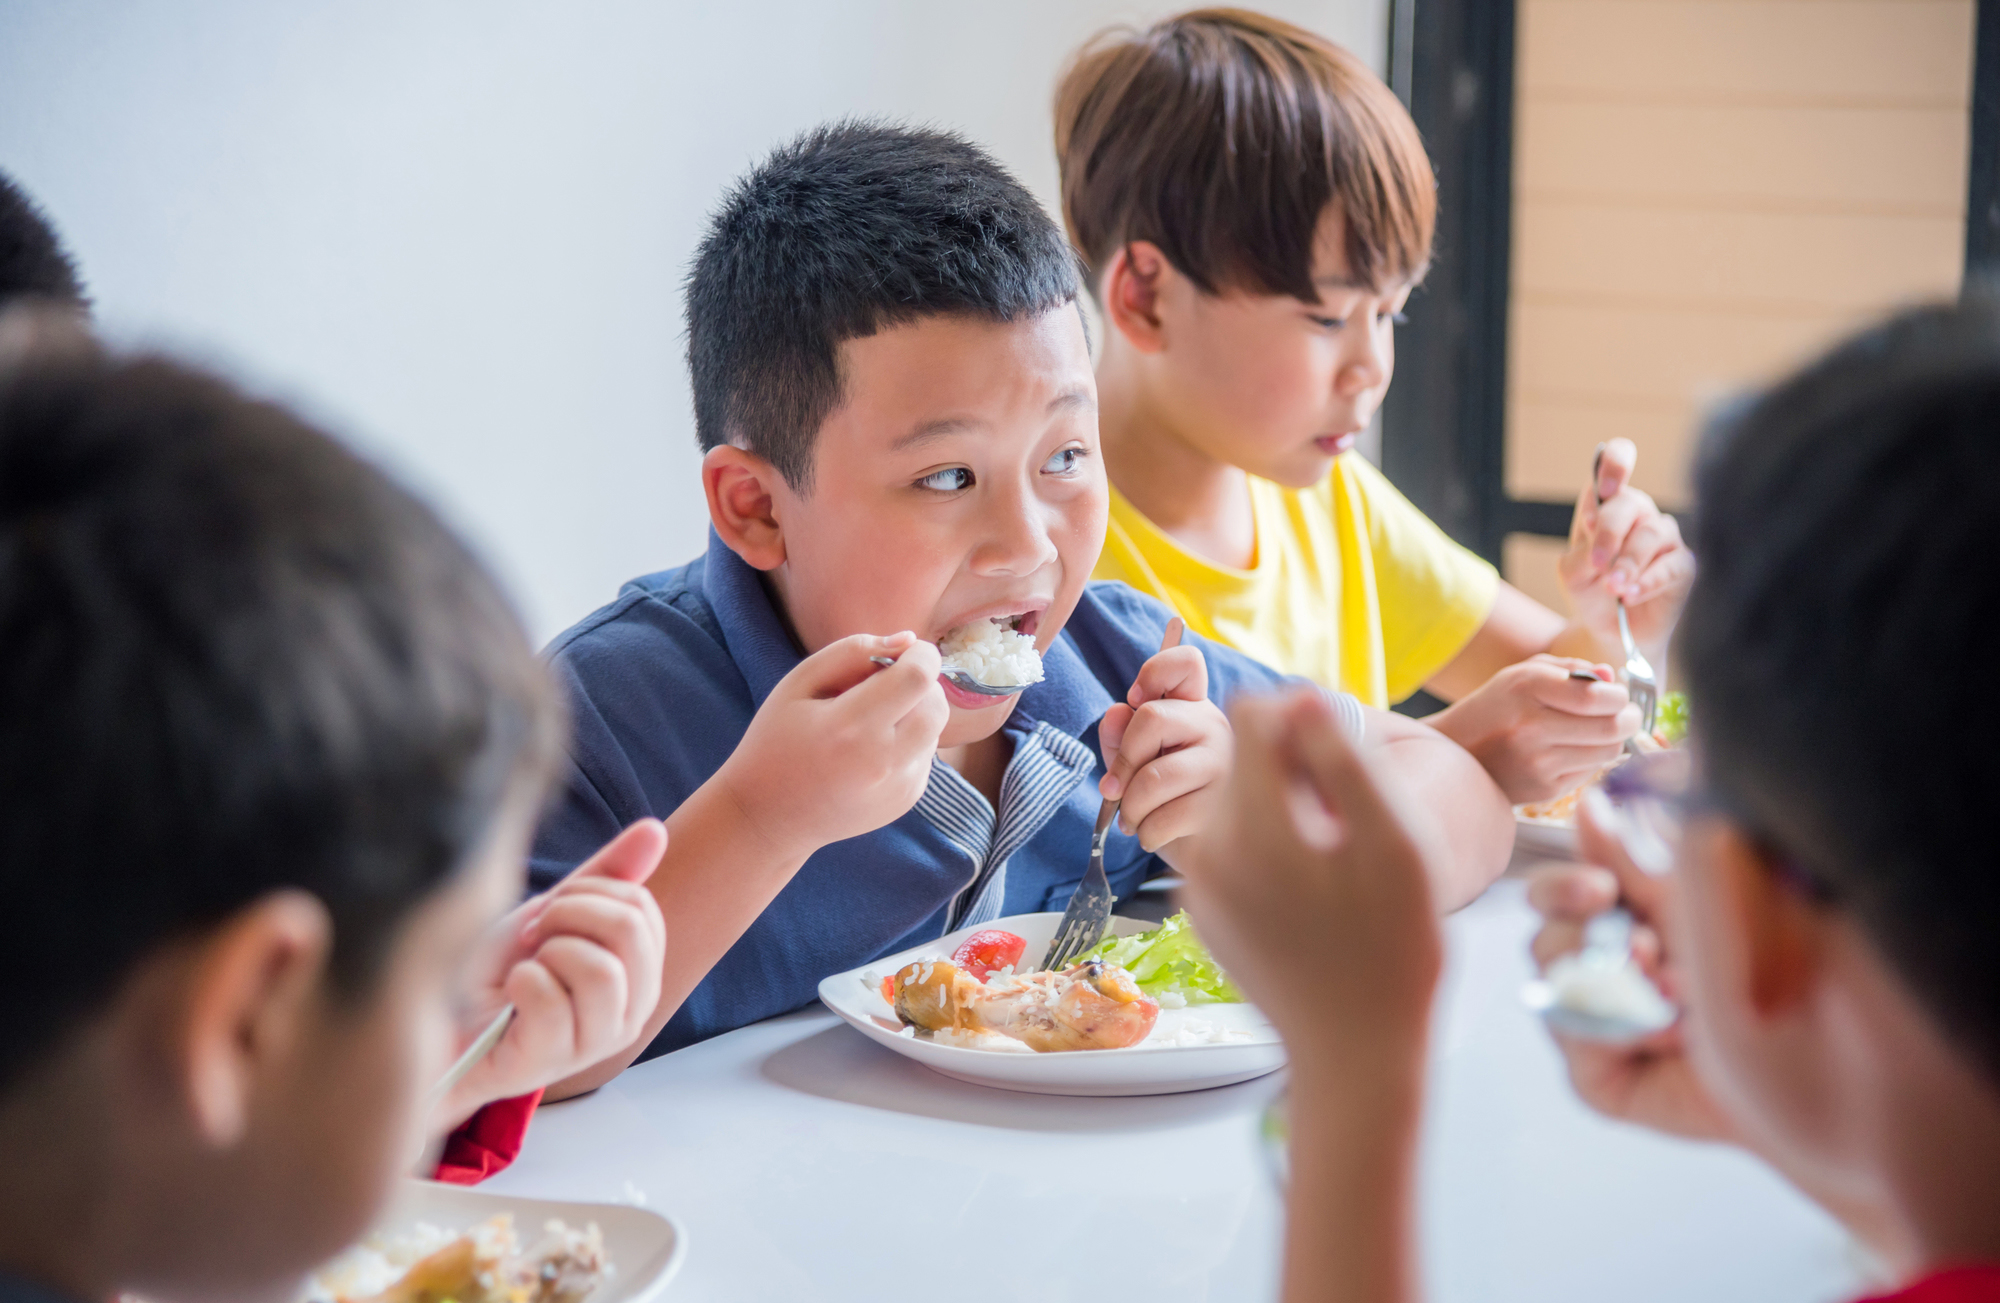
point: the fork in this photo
(1089, 909)
(1641, 684)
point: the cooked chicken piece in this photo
(1093, 1006)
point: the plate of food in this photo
(448, 1242)
(1147, 1012)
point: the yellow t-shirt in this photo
(1352, 586)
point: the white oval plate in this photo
(1145, 1069)
(644, 1248)
(1555, 838)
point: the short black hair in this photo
(33, 262)
(234, 658)
(849, 229)
(1848, 531)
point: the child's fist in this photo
(1166, 749)
(1623, 547)
(1538, 730)
(842, 746)
(1312, 888)
(581, 964)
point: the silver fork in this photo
(1641, 684)
(1089, 909)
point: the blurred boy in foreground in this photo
(1829, 930)
(271, 745)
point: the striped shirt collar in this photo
(1047, 765)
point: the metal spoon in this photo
(1607, 944)
(963, 679)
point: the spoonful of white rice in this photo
(987, 658)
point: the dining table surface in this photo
(804, 1162)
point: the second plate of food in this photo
(1190, 1048)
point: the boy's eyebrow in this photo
(930, 430)
(945, 426)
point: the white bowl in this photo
(1149, 1068)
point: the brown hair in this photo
(1222, 136)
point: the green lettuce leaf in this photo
(1672, 723)
(1170, 960)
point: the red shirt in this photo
(1957, 1285)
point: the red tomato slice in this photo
(889, 989)
(982, 952)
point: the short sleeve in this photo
(1433, 593)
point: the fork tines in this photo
(1083, 922)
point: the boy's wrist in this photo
(732, 799)
(1381, 1083)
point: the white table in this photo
(809, 1164)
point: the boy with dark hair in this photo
(271, 745)
(1829, 927)
(893, 389)
(33, 263)
(1255, 208)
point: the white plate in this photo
(1144, 1069)
(1551, 837)
(644, 1248)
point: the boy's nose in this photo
(1366, 365)
(1016, 538)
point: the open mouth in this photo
(997, 651)
(1336, 444)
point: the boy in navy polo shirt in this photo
(893, 385)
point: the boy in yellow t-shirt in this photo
(1255, 207)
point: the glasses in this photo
(1652, 797)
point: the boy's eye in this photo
(1328, 323)
(1063, 462)
(949, 480)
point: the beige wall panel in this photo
(1894, 160)
(1550, 444)
(1655, 355)
(1846, 51)
(1719, 259)
(1529, 563)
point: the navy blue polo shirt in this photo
(663, 682)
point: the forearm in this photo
(1466, 807)
(1351, 1216)
(720, 871)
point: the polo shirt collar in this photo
(756, 637)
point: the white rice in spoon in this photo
(993, 653)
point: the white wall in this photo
(456, 232)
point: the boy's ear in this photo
(1782, 929)
(252, 990)
(1131, 296)
(742, 491)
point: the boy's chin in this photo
(974, 725)
(1301, 470)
